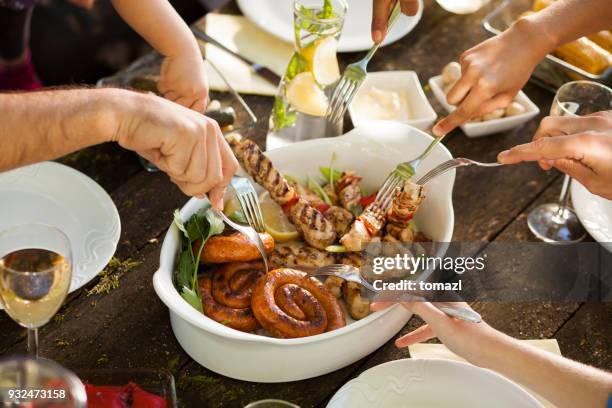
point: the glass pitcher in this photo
(303, 94)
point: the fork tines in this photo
(384, 196)
(341, 99)
(449, 164)
(251, 209)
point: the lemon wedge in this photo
(277, 223)
(233, 211)
(306, 96)
(324, 65)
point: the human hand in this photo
(381, 9)
(185, 144)
(580, 146)
(472, 341)
(182, 80)
(492, 73)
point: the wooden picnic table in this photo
(128, 326)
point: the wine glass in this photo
(35, 272)
(556, 222)
(28, 382)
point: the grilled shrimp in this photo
(364, 228)
(405, 203)
(316, 229)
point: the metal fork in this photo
(402, 172)
(251, 235)
(249, 202)
(452, 164)
(353, 77)
(352, 274)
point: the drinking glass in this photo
(28, 382)
(304, 91)
(35, 272)
(557, 222)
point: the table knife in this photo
(264, 72)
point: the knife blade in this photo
(262, 71)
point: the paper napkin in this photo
(242, 36)
(427, 350)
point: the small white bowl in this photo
(372, 150)
(423, 115)
(478, 129)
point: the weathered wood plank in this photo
(585, 337)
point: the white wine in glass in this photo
(35, 273)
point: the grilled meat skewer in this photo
(314, 227)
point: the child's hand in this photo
(183, 80)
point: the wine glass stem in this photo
(564, 197)
(33, 342)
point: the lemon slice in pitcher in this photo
(324, 64)
(306, 96)
(277, 224)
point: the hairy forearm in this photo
(159, 24)
(564, 382)
(45, 125)
(568, 20)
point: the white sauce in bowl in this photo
(382, 104)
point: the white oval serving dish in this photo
(372, 151)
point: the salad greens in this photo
(314, 186)
(201, 226)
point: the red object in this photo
(322, 207)
(287, 206)
(367, 200)
(20, 77)
(106, 397)
(144, 399)
(128, 396)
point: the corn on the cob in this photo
(603, 39)
(585, 54)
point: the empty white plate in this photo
(595, 214)
(431, 383)
(57, 195)
(276, 17)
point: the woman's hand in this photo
(183, 80)
(472, 341)
(185, 144)
(578, 146)
(493, 72)
(381, 9)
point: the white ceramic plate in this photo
(57, 195)
(372, 150)
(478, 129)
(431, 383)
(276, 17)
(422, 115)
(595, 214)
